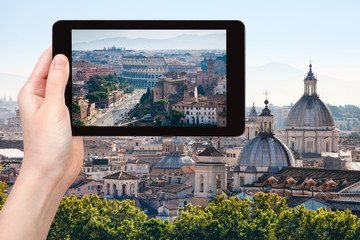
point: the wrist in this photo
(33, 202)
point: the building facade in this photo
(143, 71)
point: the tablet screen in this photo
(149, 78)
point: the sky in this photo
(91, 35)
(289, 32)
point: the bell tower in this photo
(310, 82)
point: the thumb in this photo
(57, 80)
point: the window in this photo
(327, 147)
(309, 146)
(89, 188)
(78, 189)
(201, 183)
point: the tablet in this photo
(154, 78)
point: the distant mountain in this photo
(184, 41)
(285, 85)
(10, 85)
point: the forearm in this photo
(32, 204)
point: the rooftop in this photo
(121, 176)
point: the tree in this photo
(3, 195)
(96, 96)
(96, 83)
(93, 218)
(155, 229)
(93, 97)
(161, 105)
(78, 124)
(75, 107)
(176, 116)
(200, 90)
(146, 96)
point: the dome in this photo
(175, 160)
(310, 111)
(177, 140)
(266, 150)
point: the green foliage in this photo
(96, 84)
(161, 105)
(176, 116)
(3, 195)
(343, 112)
(158, 121)
(300, 223)
(93, 97)
(266, 217)
(75, 107)
(108, 84)
(78, 124)
(200, 90)
(96, 96)
(93, 218)
(155, 229)
(128, 89)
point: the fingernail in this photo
(59, 62)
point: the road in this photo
(117, 113)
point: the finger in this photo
(33, 90)
(37, 81)
(57, 80)
(42, 67)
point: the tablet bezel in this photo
(235, 53)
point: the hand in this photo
(52, 157)
(49, 148)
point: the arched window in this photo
(132, 189)
(292, 145)
(108, 189)
(327, 147)
(201, 183)
(310, 147)
(115, 193)
(123, 189)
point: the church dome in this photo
(174, 161)
(309, 110)
(177, 140)
(266, 150)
